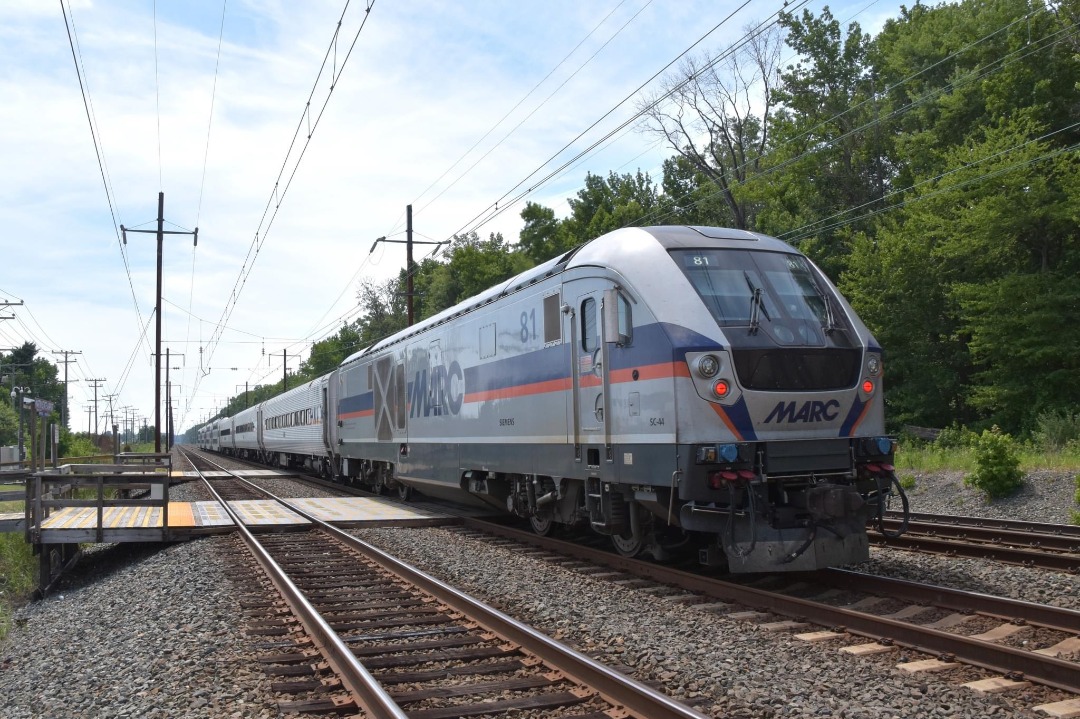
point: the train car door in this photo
(390, 401)
(589, 355)
(328, 427)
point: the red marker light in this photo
(720, 388)
(868, 386)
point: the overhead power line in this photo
(501, 205)
(306, 125)
(99, 152)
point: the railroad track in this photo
(365, 632)
(1030, 544)
(849, 606)
(295, 475)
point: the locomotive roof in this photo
(605, 250)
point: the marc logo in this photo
(809, 411)
(439, 393)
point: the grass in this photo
(18, 566)
(14, 505)
(931, 458)
(18, 575)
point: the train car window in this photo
(626, 322)
(588, 325)
(552, 319)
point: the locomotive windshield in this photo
(797, 338)
(769, 291)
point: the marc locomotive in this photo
(663, 386)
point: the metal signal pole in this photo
(284, 368)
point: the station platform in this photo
(187, 519)
(12, 521)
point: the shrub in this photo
(1055, 430)
(907, 481)
(1077, 497)
(1076, 518)
(77, 446)
(997, 466)
(956, 437)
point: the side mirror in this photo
(610, 313)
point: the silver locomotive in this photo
(664, 386)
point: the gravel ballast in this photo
(155, 631)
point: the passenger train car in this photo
(664, 386)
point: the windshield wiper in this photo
(757, 304)
(830, 319)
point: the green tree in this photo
(384, 310)
(714, 112)
(607, 204)
(327, 354)
(689, 197)
(9, 423)
(24, 368)
(542, 237)
(469, 267)
(900, 289)
(828, 152)
(968, 281)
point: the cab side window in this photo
(588, 325)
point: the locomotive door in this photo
(589, 355)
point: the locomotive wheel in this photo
(542, 525)
(404, 492)
(630, 544)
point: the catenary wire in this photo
(494, 210)
(276, 199)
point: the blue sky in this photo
(424, 84)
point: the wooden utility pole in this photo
(66, 362)
(96, 383)
(161, 232)
(408, 261)
(409, 271)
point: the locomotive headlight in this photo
(708, 366)
(873, 364)
(721, 388)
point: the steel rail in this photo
(368, 693)
(614, 687)
(1001, 536)
(994, 657)
(1067, 530)
(1043, 615)
(1059, 561)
